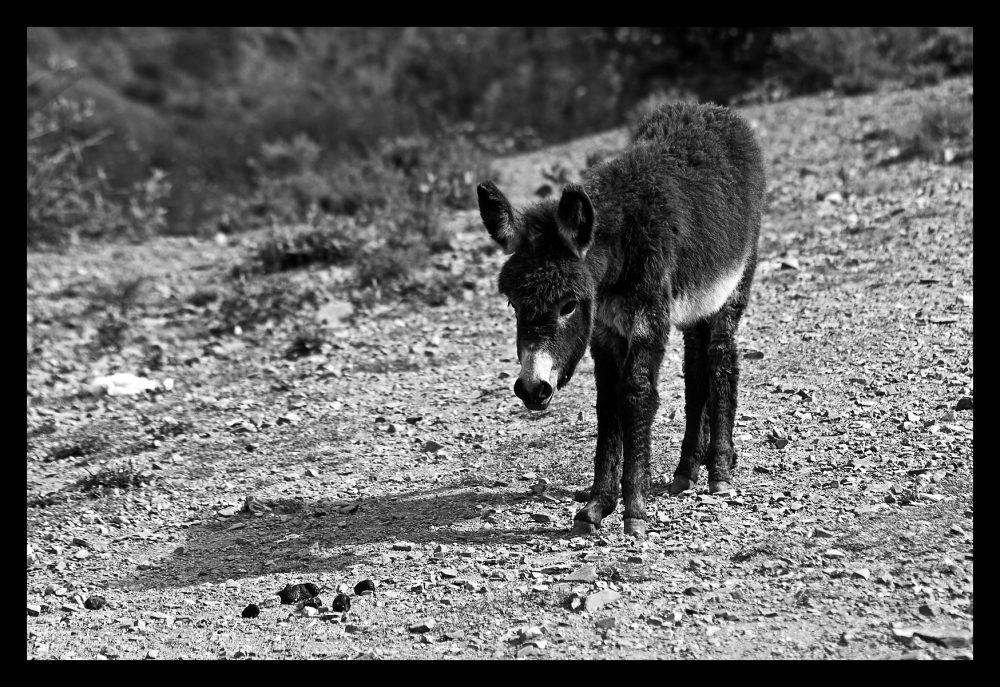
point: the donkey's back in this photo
(689, 195)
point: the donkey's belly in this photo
(702, 300)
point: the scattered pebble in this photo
(425, 625)
(606, 623)
(251, 611)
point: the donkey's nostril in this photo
(519, 389)
(544, 391)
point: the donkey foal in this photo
(664, 234)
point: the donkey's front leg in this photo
(608, 350)
(638, 401)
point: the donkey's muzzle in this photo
(536, 394)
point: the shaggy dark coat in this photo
(664, 234)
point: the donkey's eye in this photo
(567, 309)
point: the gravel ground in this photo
(397, 453)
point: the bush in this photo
(856, 59)
(941, 132)
(65, 198)
(262, 300)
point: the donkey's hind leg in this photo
(724, 376)
(694, 447)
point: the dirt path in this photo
(852, 523)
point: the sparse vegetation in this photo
(941, 132)
(252, 303)
(121, 475)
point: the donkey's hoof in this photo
(680, 484)
(635, 527)
(719, 487)
(582, 528)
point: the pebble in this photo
(834, 553)
(402, 546)
(251, 611)
(607, 623)
(423, 626)
(95, 603)
(153, 654)
(585, 573)
(542, 517)
(601, 599)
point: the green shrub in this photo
(67, 198)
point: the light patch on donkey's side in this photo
(693, 307)
(538, 364)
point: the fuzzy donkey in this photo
(664, 234)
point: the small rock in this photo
(528, 650)
(674, 617)
(636, 559)
(95, 603)
(790, 263)
(957, 531)
(542, 517)
(423, 626)
(654, 621)
(271, 602)
(601, 599)
(352, 629)
(402, 546)
(930, 609)
(586, 573)
(251, 611)
(834, 553)
(34, 610)
(309, 611)
(964, 403)
(607, 623)
(432, 447)
(752, 354)
(862, 573)
(449, 572)
(152, 654)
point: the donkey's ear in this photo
(576, 219)
(498, 216)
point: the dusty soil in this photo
(850, 534)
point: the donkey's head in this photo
(548, 283)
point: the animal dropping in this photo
(664, 235)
